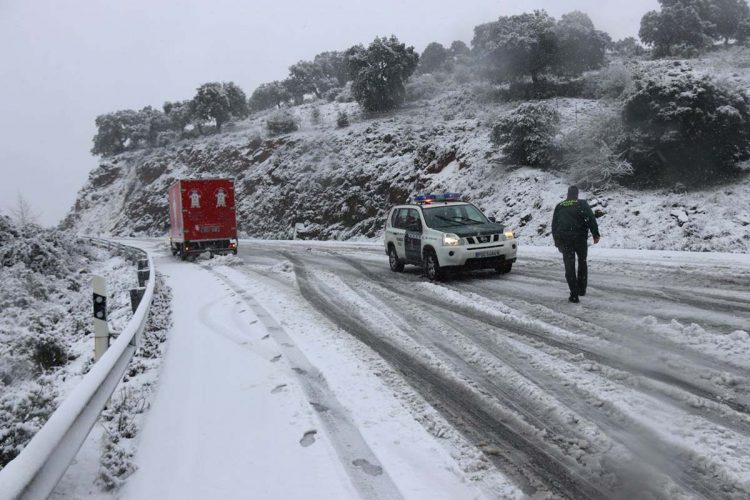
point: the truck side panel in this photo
(176, 229)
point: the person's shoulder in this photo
(568, 203)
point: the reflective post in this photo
(101, 329)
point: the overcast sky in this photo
(66, 61)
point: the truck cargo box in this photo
(202, 217)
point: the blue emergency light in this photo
(431, 198)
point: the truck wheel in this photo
(504, 268)
(174, 250)
(234, 252)
(396, 265)
(183, 254)
(432, 267)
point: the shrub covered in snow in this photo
(611, 82)
(589, 152)
(342, 120)
(681, 127)
(527, 134)
(281, 122)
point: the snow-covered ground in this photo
(310, 370)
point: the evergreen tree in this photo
(380, 72)
(580, 46)
(433, 58)
(516, 46)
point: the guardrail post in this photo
(101, 329)
(136, 294)
(142, 264)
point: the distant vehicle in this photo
(202, 217)
(438, 232)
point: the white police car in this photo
(439, 231)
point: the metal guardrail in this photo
(34, 473)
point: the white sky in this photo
(65, 62)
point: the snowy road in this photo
(313, 368)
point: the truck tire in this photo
(396, 265)
(432, 267)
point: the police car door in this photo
(413, 236)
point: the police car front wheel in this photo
(504, 268)
(396, 265)
(432, 267)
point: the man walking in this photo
(571, 223)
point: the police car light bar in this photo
(430, 198)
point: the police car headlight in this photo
(509, 235)
(450, 240)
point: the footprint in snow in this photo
(287, 344)
(265, 337)
(278, 388)
(299, 371)
(367, 467)
(275, 358)
(319, 407)
(253, 321)
(308, 438)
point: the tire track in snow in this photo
(537, 469)
(659, 374)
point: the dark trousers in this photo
(570, 247)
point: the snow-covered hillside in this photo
(339, 182)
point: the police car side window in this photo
(394, 218)
(401, 219)
(413, 221)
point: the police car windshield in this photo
(444, 216)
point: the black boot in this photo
(573, 298)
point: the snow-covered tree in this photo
(516, 46)
(268, 95)
(333, 65)
(219, 102)
(179, 114)
(459, 49)
(580, 46)
(23, 214)
(727, 17)
(110, 135)
(380, 72)
(685, 26)
(433, 58)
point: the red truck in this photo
(202, 217)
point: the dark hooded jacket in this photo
(573, 219)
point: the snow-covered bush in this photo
(588, 153)
(681, 127)
(281, 122)
(342, 120)
(315, 115)
(255, 141)
(22, 414)
(527, 134)
(611, 82)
